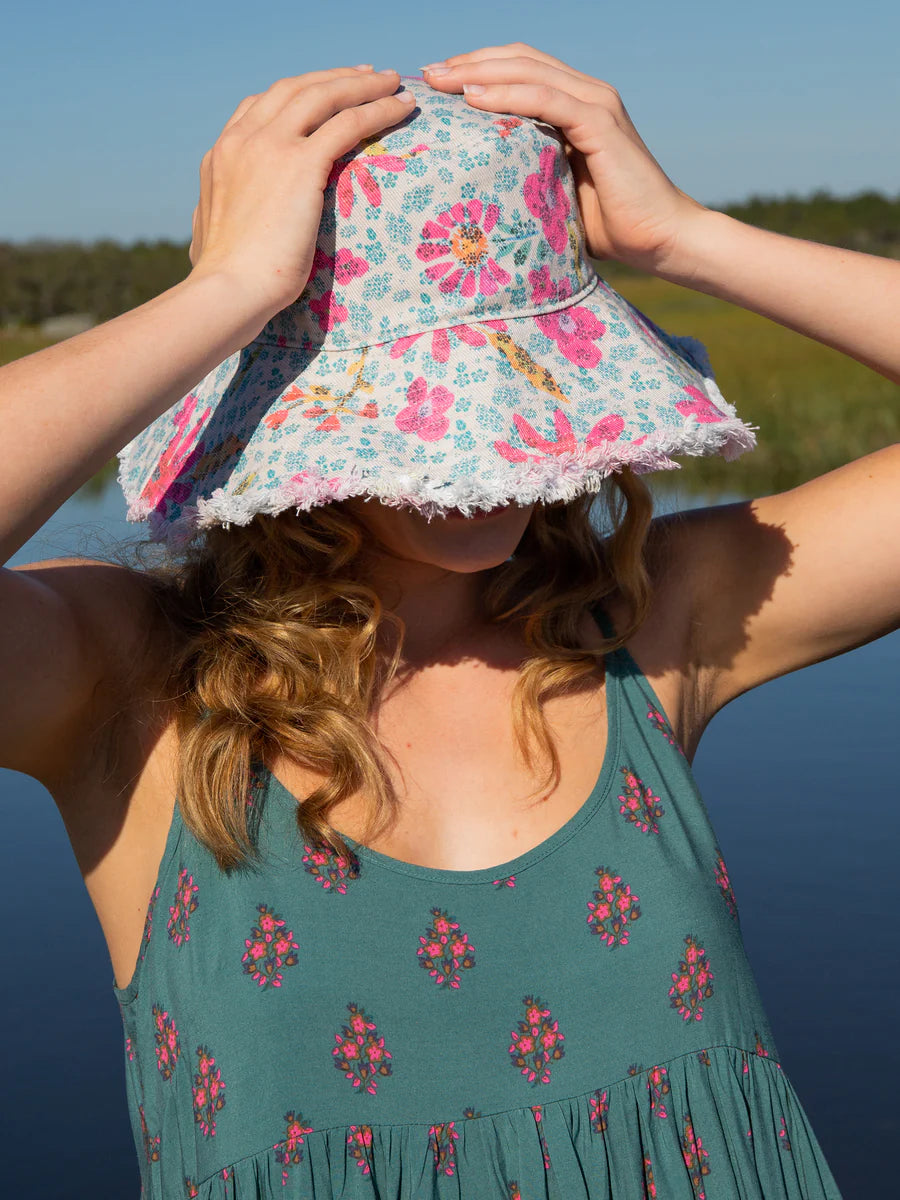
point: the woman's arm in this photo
(844, 299)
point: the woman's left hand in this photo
(631, 210)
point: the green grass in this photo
(815, 409)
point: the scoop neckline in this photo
(514, 866)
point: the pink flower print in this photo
(151, 1144)
(359, 1140)
(185, 905)
(761, 1051)
(443, 1147)
(659, 1088)
(424, 414)
(537, 1112)
(331, 869)
(129, 1049)
(177, 460)
(148, 922)
(575, 330)
(692, 982)
(373, 156)
(528, 1051)
(270, 949)
(566, 443)
(440, 339)
(699, 406)
(456, 247)
(208, 1092)
(613, 909)
(696, 1159)
(165, 1035)
(289, 1152)
(443, 951)
(361, 1056)
(650, 1192)
(725, 885)
(783, 1139)
(660, 722)
(190, 1188)
(639, 805)
(507, 881)
(599, 1104)
(329, 311)
(506, 124)
(547, 200)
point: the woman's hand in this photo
(262, 183)
(631, 210)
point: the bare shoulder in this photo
(85, 631)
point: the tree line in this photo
(43, 278)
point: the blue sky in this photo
(106, 109)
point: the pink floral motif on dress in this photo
(443, 1139)
(650, 1192)
(456, 247)
(537, 1111)
(783, 1140)
(599, 1105)
(270, 949)
(546, 198)
(506, 881)
(360, 1053)
(190, 1188)
(331, 869)
(660, 722)
(659, 1087)
(168, 1047)
(208, 1092)
(696, 1159)
(359, 1140)
(185, 906)
(536, 1042)
(606, 430)
(639, 805)
(151, 1144)
(444, 952)
(289, 1152)
(725, 885)
(613, 909)
(575, 329)
(699, 406)
(424, 415)
(692, 983)
(372, 155)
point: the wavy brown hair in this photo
(275, 648)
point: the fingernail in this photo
(387, 71)
(406, 97)
(473, 89)
(429, 66)
(438, 70)
(363, 67)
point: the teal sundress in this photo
(580, 1022)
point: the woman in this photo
(365, 658)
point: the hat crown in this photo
(452, 217)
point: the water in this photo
(800, 779)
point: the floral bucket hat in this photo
(453, 348)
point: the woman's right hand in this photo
(262, 184)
